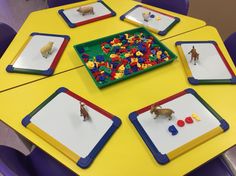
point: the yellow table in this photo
(49, 21)
(125, 153)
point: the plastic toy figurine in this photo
(83, 111)
(194, 55)
(160, 111)
(146, 16)
(85, 10)
(47, 49)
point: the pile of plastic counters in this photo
(124, 55)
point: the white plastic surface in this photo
(31, 58)
(210, 64)
(75, 17)
(184, 106)
(160, 25)
(61, 119)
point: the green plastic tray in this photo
(93, 51)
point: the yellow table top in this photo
(126, 153)
(49, 21)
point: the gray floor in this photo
(14, 12)
(217, 13)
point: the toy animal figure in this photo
(83, 111)
(161, 111)
(194, 55)
(146, 16)
(85, 10)
(46, 49)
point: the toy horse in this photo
(85, 10)
(194, 55)
(83, 111)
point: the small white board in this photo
(211, 67)
(165, 145)
(60, 118)
(30, 59)
(74, 18)
(157, 22)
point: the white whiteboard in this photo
(31, 58)
(184, 106)
(75, 17)
(61, 119)
(210, 64)
(160, 25)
